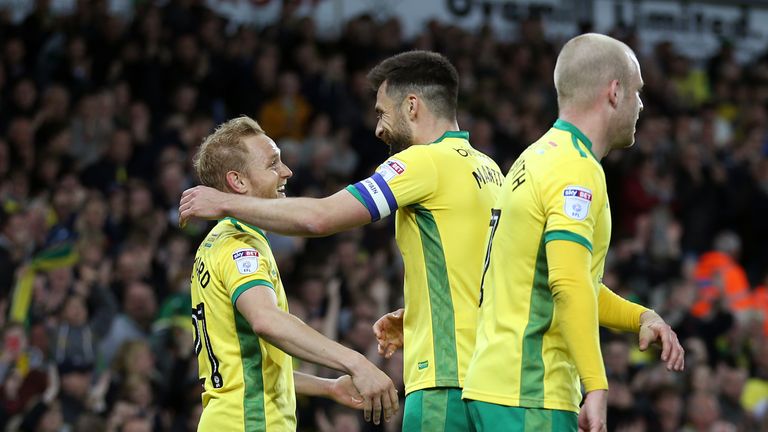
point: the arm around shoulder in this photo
(338, 212)
(307, 217)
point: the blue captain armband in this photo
(374, 193)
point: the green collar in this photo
(453, 134)
(568, 127)
(238, 224)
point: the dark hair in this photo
(427, 74)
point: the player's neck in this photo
(593, 127)
(434, 129)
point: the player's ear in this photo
(412, 105)
(236, 182)
(614, 92)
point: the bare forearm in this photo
(306, 217)
(293, 336)
(311, 385)
(289, 216)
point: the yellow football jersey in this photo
(443, 193)
(554, 191)
(248, 383)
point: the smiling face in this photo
(266, 174)
(391, 125)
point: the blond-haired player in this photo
(244, 334)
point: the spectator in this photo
(721, 278)
(287, 114)
(14, 248)
(134, 323)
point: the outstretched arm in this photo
(307, 217)
(290, 334)
(341, 390)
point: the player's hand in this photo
(592, 417)
(344, 392)
(378, 392)
(389, 332)
(202, 202)
(653, 328)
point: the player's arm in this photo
(576, 306)
(400, 181)
(283, 330)
(617, 313)
(569, 265)
(308, 217)
(341, 389)
(573, 204)
(620, 314)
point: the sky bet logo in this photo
(245, 254)
(399, 169)
(578, 193)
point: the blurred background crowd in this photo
(100, 117)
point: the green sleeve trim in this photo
(568, 235)
(355, 193)
(248, 285)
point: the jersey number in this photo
(495, 215)
(198, 320)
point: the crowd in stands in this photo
(100, 116)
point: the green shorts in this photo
(435, 410)
(488, 417)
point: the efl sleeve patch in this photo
(576, 202)
(246, 260)
(391, 168)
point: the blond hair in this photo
(224, 151)
(586, 64)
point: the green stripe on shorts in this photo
(488, 417)
(435, 410)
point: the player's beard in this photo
(400, 137)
